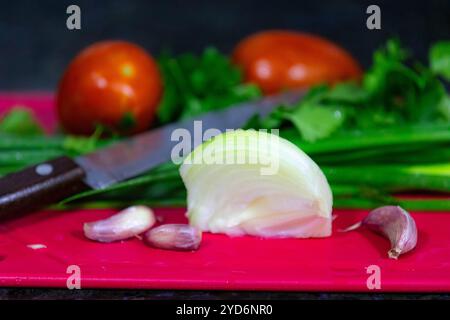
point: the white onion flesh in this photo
(237, 199)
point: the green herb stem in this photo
(402, 136)
(408, 204)
(38, 142)
(392, 178)
(140, 181)
(27, 157)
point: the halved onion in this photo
(256, 183)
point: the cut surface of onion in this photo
(256, 183)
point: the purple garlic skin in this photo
(123, 225)
(397, 225)
(180, 237)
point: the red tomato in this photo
(113, 83)
(277, 60)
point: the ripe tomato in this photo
(113, 83)
(277, 60)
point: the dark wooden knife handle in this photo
(39, 186)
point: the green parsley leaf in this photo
(317, 122)
(440, 59)
(21, 121)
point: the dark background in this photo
(35, 45)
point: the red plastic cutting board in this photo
(337, 263)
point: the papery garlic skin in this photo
(179, 237)
(123, 225)
(237, 199)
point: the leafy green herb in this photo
(392, 94)
(194, 84)
(317, 122)
(440, 59)
(444, 107)
(78, 145)
(21, 121)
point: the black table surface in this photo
(93, 294)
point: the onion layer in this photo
(256, 183)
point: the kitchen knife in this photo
(46, 183)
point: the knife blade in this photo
(46, 183)
(131, 157)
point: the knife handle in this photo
(39, 186)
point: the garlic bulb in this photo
(256, 183)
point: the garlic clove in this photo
(123, 225)
(397, 225)
(181, 237)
